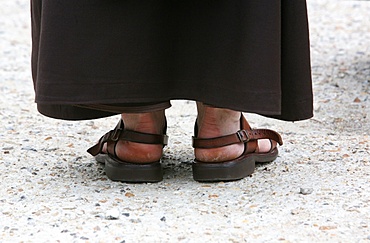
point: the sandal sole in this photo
(223, 171)
(230, 170)
(100, 158)
(267, 157)
(133, 172)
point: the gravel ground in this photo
(316, 191)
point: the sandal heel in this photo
(118, 170)
(223, 171)
(133, 172)
(240, 167)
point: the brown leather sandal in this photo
(118, 170)
(240, 167)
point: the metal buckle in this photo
(165, 139)
(116, 134)
(243, 136)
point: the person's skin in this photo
(152, 122)
(216, 122)
(212, 122)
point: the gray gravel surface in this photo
(318, 190)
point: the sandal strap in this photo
(119, 133)
(242, 136)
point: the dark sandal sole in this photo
(231, 170)
(267, 157)
(133, 172)
(223, 171)
(100, 158)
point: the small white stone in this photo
(112, 214)
(306, 191)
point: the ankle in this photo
(213, 121)
(216, 122)
(151, 122)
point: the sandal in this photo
(118, 170)
(240, 167)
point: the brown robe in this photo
(245, 55)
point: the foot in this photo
(215, 122)
(154, 123)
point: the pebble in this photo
(112, 214)
(305, 191)
(8, 148)
(29, 149)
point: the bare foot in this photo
(153, 123)
(215, 122)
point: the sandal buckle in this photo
(243, 136)
(116, 134)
